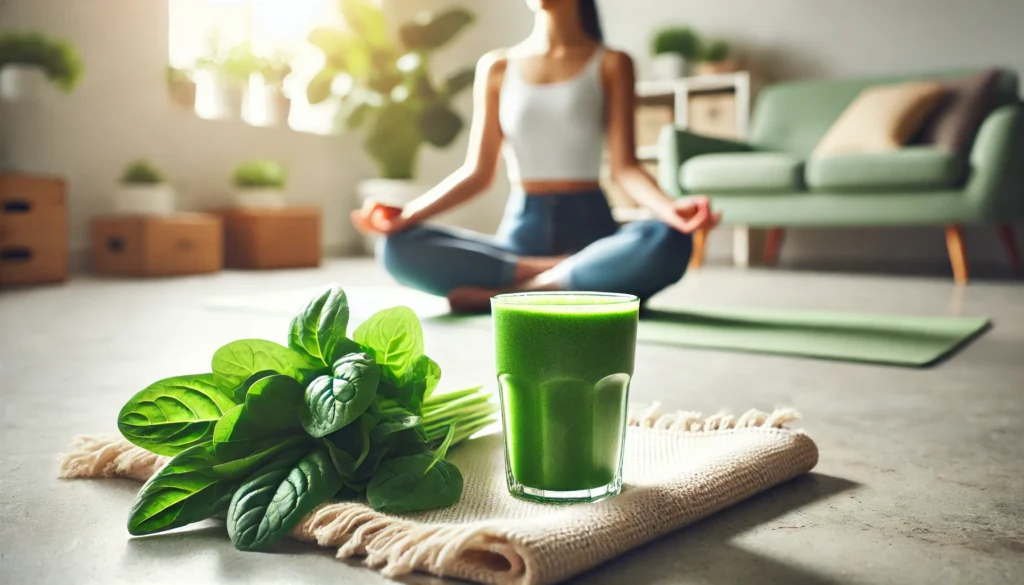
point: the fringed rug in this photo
(679, 468)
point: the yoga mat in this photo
(899, 340)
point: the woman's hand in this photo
(377, 218)
(690, 214)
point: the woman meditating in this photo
(551, 103)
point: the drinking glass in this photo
(564, 361)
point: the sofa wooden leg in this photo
(957, 256)
(772, 245)
(1010, 244)
(700, 238)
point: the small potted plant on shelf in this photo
(674, 49)
(275, 70)
(181, 87)
(28, 60)
(143, 191)
(259, 184)
(716, 59)
(396, 101)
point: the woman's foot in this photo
(470, 299)
(531, 266)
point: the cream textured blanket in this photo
(679, 468)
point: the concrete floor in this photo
(921, 478)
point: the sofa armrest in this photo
(676, 146)
(996, 184)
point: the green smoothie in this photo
(564, 363)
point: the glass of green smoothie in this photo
(564, 361)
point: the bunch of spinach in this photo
(275, 431)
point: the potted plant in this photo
(181, 87)
(674, 49)
(275, 70)
(715, 59)
(259, 183)
(28, 60)
(386, 89)
(143, 191)
(230, 69)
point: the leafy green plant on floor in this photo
(385, 85)
(274, 431)
(260, 173)
(58, 59)
(141, 172)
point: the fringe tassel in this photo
(652, 417)
(396, 546)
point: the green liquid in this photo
(564, 371)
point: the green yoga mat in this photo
(898, 340)
(881, 339)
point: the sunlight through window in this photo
(236, 50)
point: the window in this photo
(207, 31)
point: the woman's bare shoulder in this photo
(616, 61)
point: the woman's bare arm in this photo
(481, 165)
(627, 173)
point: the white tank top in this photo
(553, 131)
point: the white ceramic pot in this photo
(229, 98)
(393, 192)
(669, 66)
(144, 199)
(23, 83)
(259, 198)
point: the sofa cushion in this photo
(882, 118)
(916, 168)
(742, 172)
(967, 102)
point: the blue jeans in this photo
(640, 258)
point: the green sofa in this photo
(773, 182)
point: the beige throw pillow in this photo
(881, 118)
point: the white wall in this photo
(121, 111)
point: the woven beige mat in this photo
(679, 468)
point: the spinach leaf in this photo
(421, 383)
(185, 491)
(430, 372)
(261, 452)
(242, 390)
(271, 410)
(174, 414)
(414, 483)
(350, 446)
(394, 338)
(442, 450)
(274, 498)
(319, 330)
(236, 362)
(332, 402)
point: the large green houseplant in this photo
(28, 60)
(385, 85)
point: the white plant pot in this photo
(144, 199)
(229, 98)
(669, 66)
(393, 192)
(259, 198)
(24, 83)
